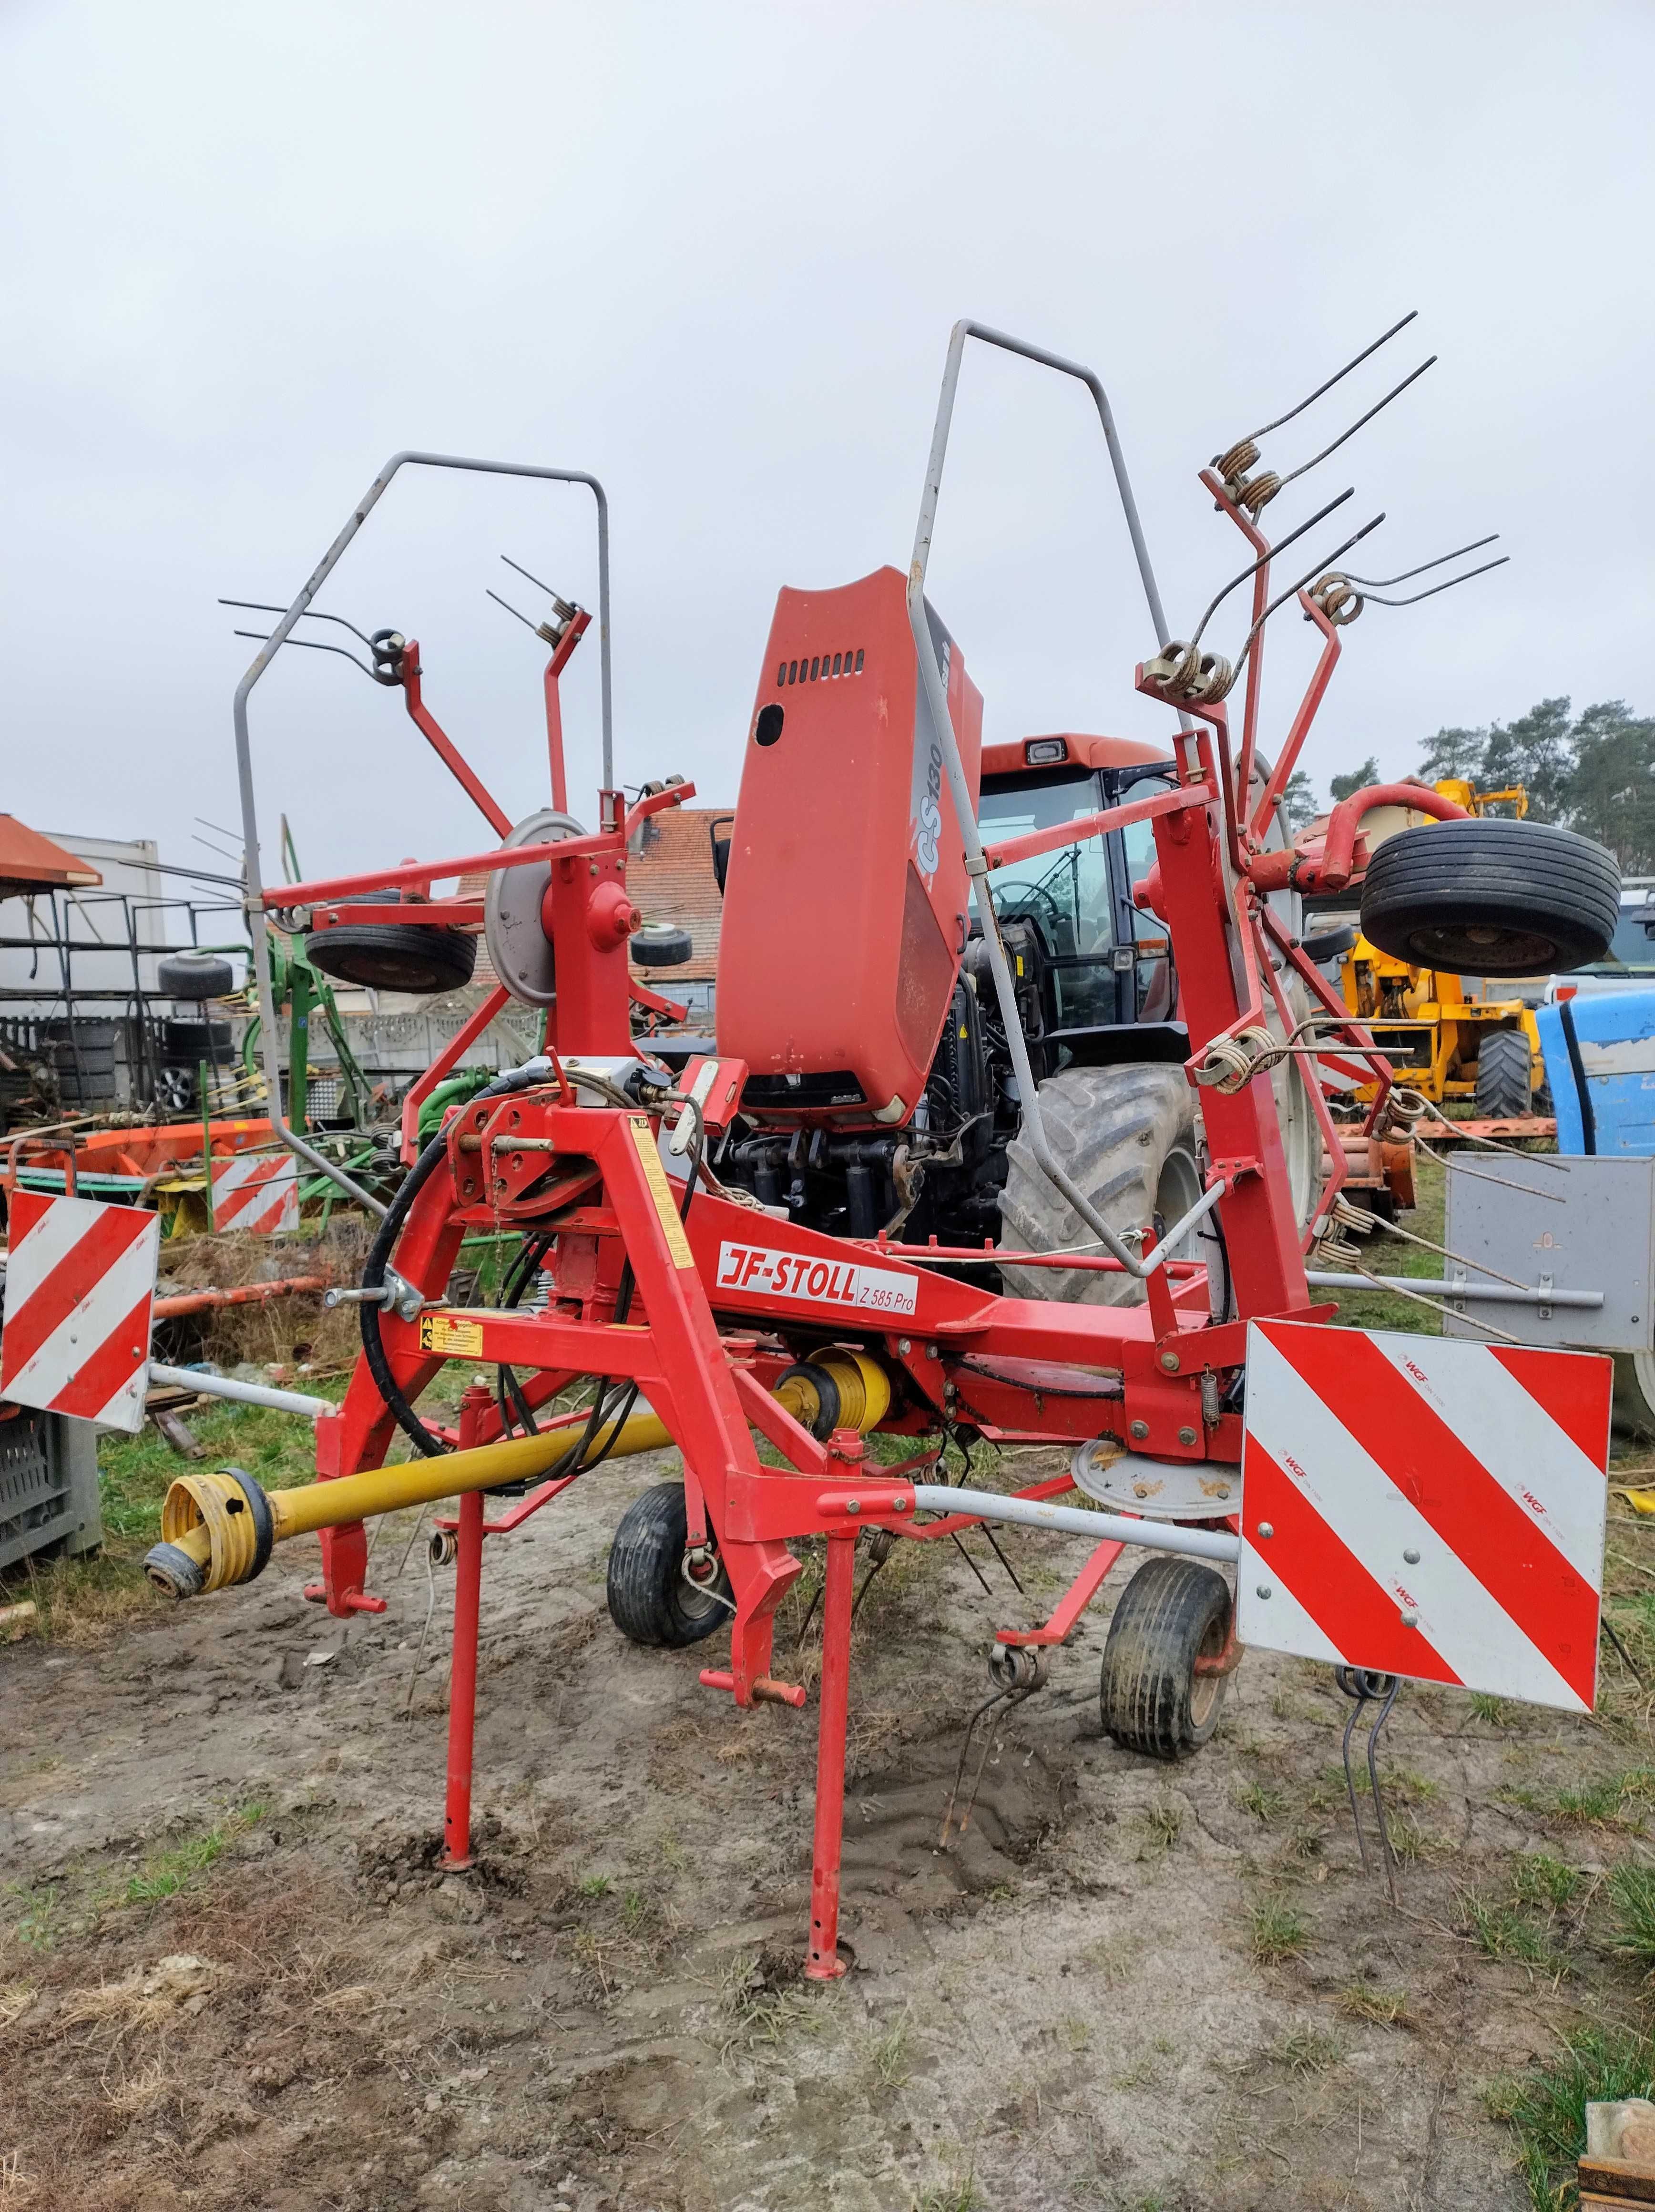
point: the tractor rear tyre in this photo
(1503, 1063)
(1491, 897)
(651, 1600)
(1172, 1612)
(1125, 1136)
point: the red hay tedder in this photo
(1099, 1031)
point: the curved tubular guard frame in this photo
(254, 899)
(965, 813)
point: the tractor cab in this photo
(1095, 973)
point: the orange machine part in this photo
(846, 903)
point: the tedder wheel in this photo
(1491, 897)
(394, 956)
(1172, 1612)
(650, 1599)
(1502, 1075)
(1126, 1137)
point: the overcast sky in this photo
(712, 253)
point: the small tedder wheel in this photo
(651, 1601)
(1503, 1077)
(1171, 1613)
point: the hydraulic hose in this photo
(423, 1439)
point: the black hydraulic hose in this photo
(423, 1439)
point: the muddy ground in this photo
(232, 1976)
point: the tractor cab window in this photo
(1066, 893)
(1139, 839)
(1632, 951)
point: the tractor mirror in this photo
(720, 830)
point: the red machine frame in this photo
(719, 1293)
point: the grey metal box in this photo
(48, 1485)
(1566, 1223)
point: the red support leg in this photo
(462, 1673)
(824, 1963)
(462, 1684)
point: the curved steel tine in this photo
(510, 609)
(1353, 1684)
(1309, 576)
(1253, 435)
(556, 598)
(960, 1769)
(314, 645)
(1414, 598)
(1317, 459)
(1374, 1779)
(1280, 545)
(310, 614)
(1384, 583)
(1014, 1696)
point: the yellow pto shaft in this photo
(219, 1528)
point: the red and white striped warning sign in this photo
(1426, 1508)
(258, 1191)
(80, 1277)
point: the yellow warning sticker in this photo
(459, 1340)
(661, 1191)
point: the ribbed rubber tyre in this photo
(650, 1602)
(1126, 1137)
(1503, 1062)
(660, 945)
(394, 955)
(1490, 898)
(195, 975)
(1633, 1406)
(1151, 1698)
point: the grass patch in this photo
(1619, 1801)
(1262, 1800)
(1369, 2001)
(959, 2193)
(1306, 2050)
(81, 1600)
(890, 2055)
(1278, 1931)
(166, 1872)
(1520, 1921)
(1545, 2106)
(1494, 1710)
(594, 1884)
(1632, 1912)
(1162, 1824)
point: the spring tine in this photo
(1305, 467)
(1373, 1777)
(310, 614)
(311, 645)
(1281, 544)
(960, 1769)
(1351, 1684)
(557, 599)
(1309, 576)
(511, 610)
(1384, 583)
(971, 1563)
(1414, 598)
(1337, 375)
(1011, 1570)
